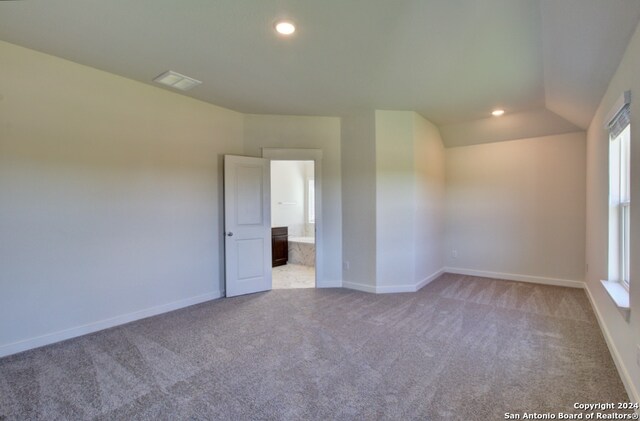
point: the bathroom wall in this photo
(289, 196)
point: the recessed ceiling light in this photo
(497, 113)
(176, 80)
(285, 27)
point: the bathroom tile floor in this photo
(293, 276)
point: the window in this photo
(619, 195)
(311, 201)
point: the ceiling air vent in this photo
(176, 80)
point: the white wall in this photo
(358, 199)
(270, 131)
(393, 201)
(395, 198)
(289, 196)
(429, 215)
(518, 207)
(623, 335)
(110, 198)
(409, 201)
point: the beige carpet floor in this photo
(461, 348)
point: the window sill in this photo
(620, 296)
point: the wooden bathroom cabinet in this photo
(279, 246)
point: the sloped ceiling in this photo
(546, 62)
(583, 43)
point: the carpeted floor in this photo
(462, 348)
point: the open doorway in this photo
(293, 222)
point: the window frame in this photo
(620, 207)
(311, 201)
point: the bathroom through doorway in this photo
(293, 224)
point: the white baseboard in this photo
(73, 332)
(330, 284)
(634, 396)
(516, 277)
(359, 287)
(386, 289)
(429, 279)
(389, 289)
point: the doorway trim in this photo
(315, 155)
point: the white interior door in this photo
(247, 221)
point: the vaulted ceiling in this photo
(546, 62)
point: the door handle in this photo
(229, 234)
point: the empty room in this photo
(319, 209)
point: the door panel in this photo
(247, 221)
(249, 209)
(250, 262)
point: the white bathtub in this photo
(306, 240)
